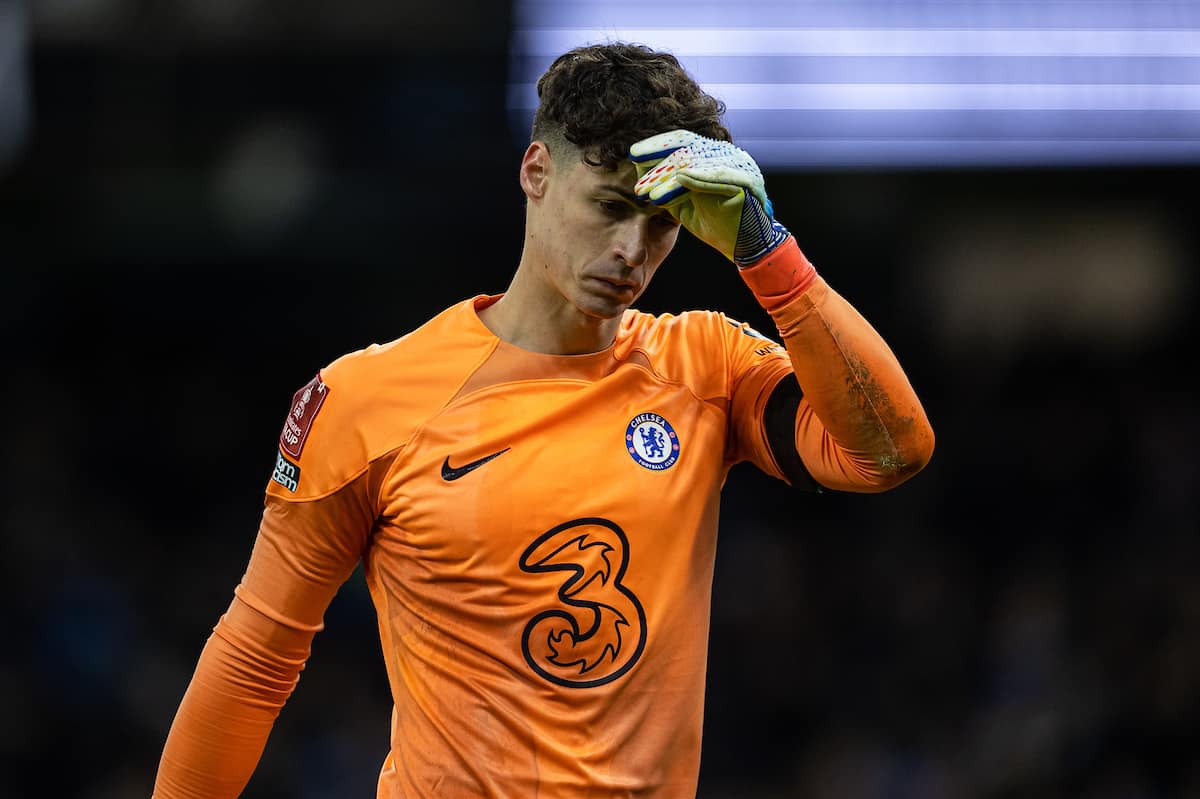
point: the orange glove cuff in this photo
(782, 276)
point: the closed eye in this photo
(614, 207)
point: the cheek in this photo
(664, 243)
(576, 227)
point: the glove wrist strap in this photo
(758, 233)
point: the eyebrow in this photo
(627, 194)
(621, 190)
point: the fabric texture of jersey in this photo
(538, 534)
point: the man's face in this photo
(599, 245)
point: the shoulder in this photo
(711, 334)
(689, 347)
(705, 349)
(367, 403)
(671, 329)
(449, 334)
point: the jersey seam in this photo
(762, 429)
(490, 386)
(858, 384)
(340, 486)
(420, 427)
(727, 391)
(649, 367)
(403, 444)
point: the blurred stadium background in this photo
(204, 201)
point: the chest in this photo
(496, 469)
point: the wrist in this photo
(780, 276)
(758, 233)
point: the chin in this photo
(607, 304)
(603, 310)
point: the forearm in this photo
(246, 672)
(860, 426)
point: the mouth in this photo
(623, 288)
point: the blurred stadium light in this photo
(14, 87)
(878, 83)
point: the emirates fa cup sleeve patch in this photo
(652, 442)
(286, 473)
(306, 404)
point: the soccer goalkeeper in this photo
(531, 480)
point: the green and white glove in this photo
(713, 188)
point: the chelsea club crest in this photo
(652, 442)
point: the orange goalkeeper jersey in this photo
(538, 535)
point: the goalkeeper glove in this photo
(713, 188)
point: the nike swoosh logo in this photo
(454, 472)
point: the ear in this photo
(536, 168)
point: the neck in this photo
(534, 316)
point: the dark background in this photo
(208, 207)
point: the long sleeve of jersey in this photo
(253, 659)
(246, 672)
(859, 426)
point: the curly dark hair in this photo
(602, 98)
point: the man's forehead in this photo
(619, 181)
(625, 173)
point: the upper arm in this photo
(303, 554)
(779, 426)
(321, 503)
(763, 401)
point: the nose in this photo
(630, 245)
